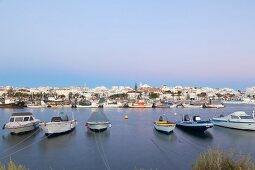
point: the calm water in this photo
(129, 144)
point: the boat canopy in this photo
(98, 117)
(22, 114)
(239, 113)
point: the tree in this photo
(153, 95)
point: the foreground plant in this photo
(12, 166)
(216, 159)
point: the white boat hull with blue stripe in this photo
(237, 120)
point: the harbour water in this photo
(128, 144)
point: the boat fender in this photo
(110, 125)
(34, 125)
(3, 127)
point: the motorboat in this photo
(196, 124)
(163, 105)
(164, 126)
(13, 104)
(191, 106)
(237, 120)
(98, 122)
(213, 106)
(58, 125)
(21, 122)
(110, 104)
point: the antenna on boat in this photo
(253, 113)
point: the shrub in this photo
(12, 166)
(215, 159)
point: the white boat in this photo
(236, 120)
(191, 106)
(58, 125)
(112, 105)
(214, 106)
(21, 123)
(92, 105)
(42, 105)
(163, 125)
(98, 122)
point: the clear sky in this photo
(92, 43)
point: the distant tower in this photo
(135, 86)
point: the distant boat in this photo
(98, 122)
(191, 106)
(196, 124)
(237, 120)
(12, 104)
(140, 104)
(87, 104)
(111, 105)
(164, 125)
(213, 106)
(43, 104)
(21, 122)
(163, 105)
(58, 125)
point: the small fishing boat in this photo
(164, 126)
(21, 123)
(58, 125)
(98, 122)
(196, 124)
(213, 106)
(237, 120)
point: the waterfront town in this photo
(139, 96)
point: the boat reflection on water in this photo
(197, 134)
(92, 134)
(57, 143)
(162, 137)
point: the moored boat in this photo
(213, 106)
(58, 125)
(13, 105)
(196, 124)
(164, 126)
(140, 104)
(21, 123)
(98, 122)
(237, 120)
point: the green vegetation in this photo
(216, 159)
(12, 166)
(153, 95)
(119, 96)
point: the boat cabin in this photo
(21, 117)
(240, 115)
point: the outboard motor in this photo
(186, 118)
(160, 118)
(3, 127)
(196, 118)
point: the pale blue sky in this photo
(61, 43)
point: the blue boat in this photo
(196, 124)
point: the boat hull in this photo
(56, 128)
(98, 126)
(198, 127)
(15, 128)
(164, 129)
(234, 124)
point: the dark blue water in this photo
(129, 144)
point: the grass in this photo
(12, 166)
(216, 159)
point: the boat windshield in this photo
(26, 119)
(18, 119)
(246, 117)
(11, 119)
